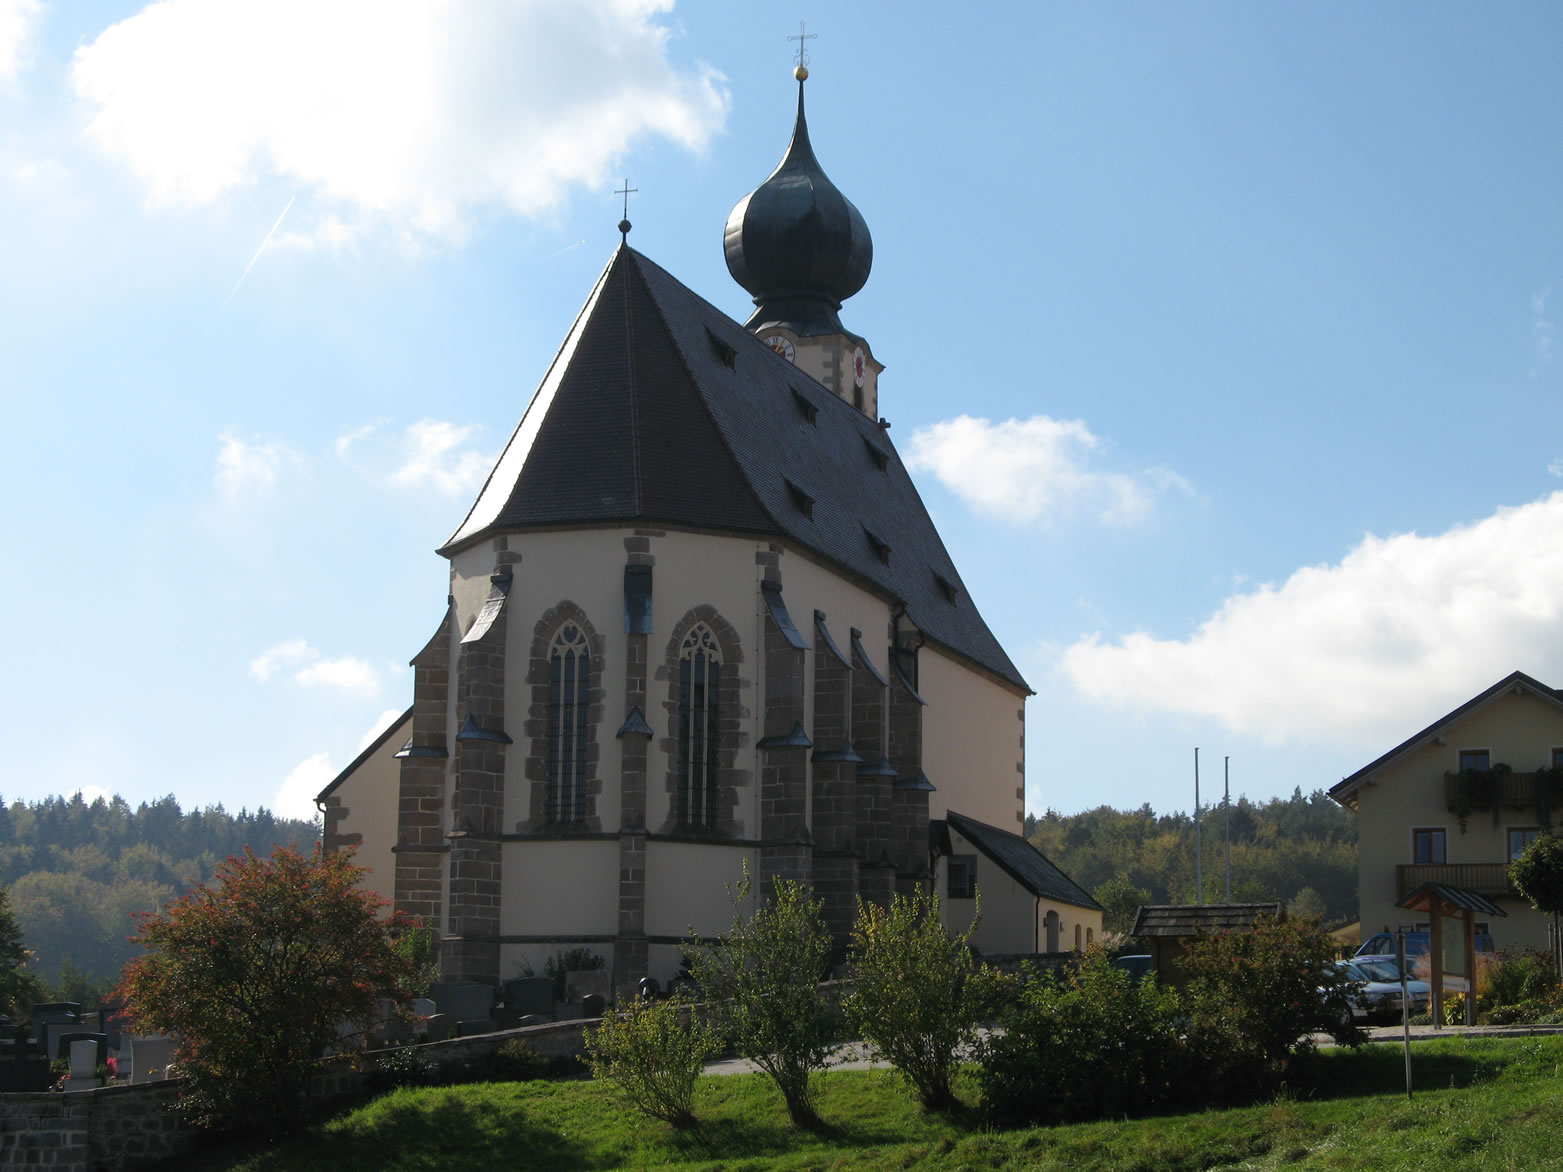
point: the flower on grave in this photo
(113, 1064)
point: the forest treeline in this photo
(1301, 850)
(78, 871)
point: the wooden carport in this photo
(1451, 949)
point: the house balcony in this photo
(1487, 879)
(1512, 789)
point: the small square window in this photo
(1474, 759)
(963, 876)
(1427, 844)
(1521, 837)
(1557, 758)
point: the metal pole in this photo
(1199, 860)
(1226, 806)
(1405, 1002)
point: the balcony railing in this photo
(1514, 789)
(1482, 878)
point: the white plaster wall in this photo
(1520, 731)
(372, 795)
(1013, 918)
(691, 885)
(972, 751)
(559, 888)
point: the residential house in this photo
(1456, 802)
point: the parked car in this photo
(1375, 990)
(1381, 945)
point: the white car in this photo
(1375, 990)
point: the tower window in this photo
(699, 725)
(569, 682)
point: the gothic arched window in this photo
(699, 721)
(569, 680)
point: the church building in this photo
(699, 618)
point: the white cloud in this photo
(283, 655)
(346, 673)
(384, 721)
(18, 21)
(295, 797)
(1556, 466)
(1363, 652)
(308, 668)
(433, 455)
(1036, 469)
(399, 112)
(242, 465)
(1541, 326)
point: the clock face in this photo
(859, 365)
(782, 346)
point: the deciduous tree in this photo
(255, 973)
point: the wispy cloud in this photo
(1037, 469)
(295, 797)
(1542, 329)
(18, 22)
(258, 251)
(391, 112)
(306, 665)
(431, 453)
(1361, 652)
(243, 465)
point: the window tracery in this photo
(569, 687)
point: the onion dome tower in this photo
(800, 248)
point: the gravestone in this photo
(467, 1029)
(441, 1026)
(580, 985)
(149, 1057)
(423, 1007)
(465, 1000)
(527, 997)
(84, 1065)
(593, 1004)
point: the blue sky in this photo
(1221, 338)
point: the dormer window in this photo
(946, 588)
(805, 408)
(724, 352)
(880, 546)
(880, 458)
(802, 499)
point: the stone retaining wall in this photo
(111, 1129)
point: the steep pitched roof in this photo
(660, 409)
(1021, 861)
(1344, 791)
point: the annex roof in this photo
(1021, 860)
(1344, 791)
(1459, 898)
(1197, 919)
(399, 725)
(659, 409)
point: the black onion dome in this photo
(797, 244)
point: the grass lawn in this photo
(1487, 1103)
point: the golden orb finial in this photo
(801, 73)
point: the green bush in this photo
(1517, 975)
(762, 978)
(1271, 988)
(1092, 1045)
(653, 1052)
(911, 1000)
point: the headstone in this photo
(593, 1004)
(582, 984)
(67, 1042)
(440, 1026)
(483, 1025)
(468, 1000)
(84, 1065)
(423, 1007)
(530, 996)
(149, 1058)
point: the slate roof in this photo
(1344, 791)
(1193, 920)
(1020, 860)
(662, 410)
